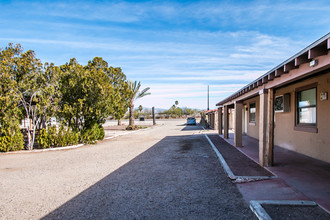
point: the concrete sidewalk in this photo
(299, 177)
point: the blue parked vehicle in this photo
(191, 121)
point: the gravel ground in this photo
(288, 212)
(239, 163)
(166, 172)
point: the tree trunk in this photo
(153, 116)
(131, 116)
(28, 147)
(119, 121)
(43, 123)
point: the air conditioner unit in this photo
(282, 103)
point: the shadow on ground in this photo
(178, 178)
(239, 163)
(191, 127)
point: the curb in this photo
(260, 212)
(43, 150)
(248, 156)
(230, 174)
(68, 147)
(224, 164)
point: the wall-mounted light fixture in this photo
(323, 96)
(313, 63)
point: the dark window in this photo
(252, 113)
(306, 108)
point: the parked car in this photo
(191, 121)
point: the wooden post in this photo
(212, 120)
(216, 120)
(225, 122)
(269, 156)
(262, 125)
(220, 120)
(266, 127)
(238, 124)
(153, 116)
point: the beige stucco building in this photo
(212, 118)
(288, 106)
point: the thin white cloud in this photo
(105, 11)
(175, 48)
(192, 95)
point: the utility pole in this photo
(208, 97)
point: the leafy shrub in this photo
(101, 133)
(47, 138)
(132, 127)
(51, 138)
(91, 135)
(11, 139)
(52, 135)
(66, 137)
(135, 127)
(59, 140)
(43, 139)
(71, 137)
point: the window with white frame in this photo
(252, 113)
(306, 106)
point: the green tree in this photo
(174, 111)
(48, 101)
(80, 96)
(189, 111)
(120, 100)
(178, 112)
(176, 103)
(101, 92)
(11, 137)
(85, 93)
(140, 108)
(32, 86)
(26, 70)
(135, 87)
(89, 94)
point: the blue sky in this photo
(176, 48)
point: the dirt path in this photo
(167, 172)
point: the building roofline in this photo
(322, 40)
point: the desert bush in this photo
(91, 135)
(66, 137)
(47, 138)
(71, 137)
(43, 139)
(59, 140)
(11, 140)
(133, 127)
(52, 135)
(101, 133)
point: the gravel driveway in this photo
(166, 172)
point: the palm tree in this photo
(135, 87)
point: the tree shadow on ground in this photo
(177, 178)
